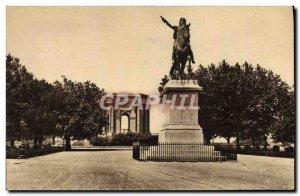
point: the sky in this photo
(129, 48)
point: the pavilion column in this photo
(138, 119)
(142, 121)
(132, 120)
(147, 121)
(110, 121)
(118, 122)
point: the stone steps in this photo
(181, 153)
(186, 158)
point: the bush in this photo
(257, 148)
(274, 152)
(125, 139)
(218, 147)
(247, 148)
(47, 145)
(289, 149)
(78, 143)
(276, 148)
(99, 141)
(122, 140)
(14, 153)
(25, 145)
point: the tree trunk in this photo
(68, 143)
(53, 140)
(228, 140)
(35, 142)
(12, 143)
(253, 141)
(265, 143)
(238, 142)
(41, 142)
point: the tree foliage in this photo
(18, 85)
(79, 114)
(242, 101)
(40, 116)
(284, 126)
(67, 109)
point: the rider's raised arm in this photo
(167, 23)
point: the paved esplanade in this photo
(116, 170)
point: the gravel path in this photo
(116, 170)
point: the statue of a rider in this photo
(182, 51)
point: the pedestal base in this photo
(181, 133)
(181, 115)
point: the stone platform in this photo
(181, 152)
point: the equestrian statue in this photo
(182, 51)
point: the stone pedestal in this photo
(180, 101)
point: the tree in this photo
(267, 92)
(40, 116)
(218, 109)
(79, 113)
(37, 109)
(284, 127)
(18, 84)
(242, 102)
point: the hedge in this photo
(124, 139)
(14, 153)
(274, 152)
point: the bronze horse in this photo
(182, 51)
